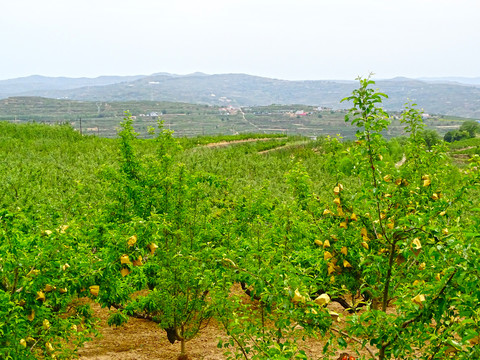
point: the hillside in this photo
(245, 90)
(34, 83)
(102, 118)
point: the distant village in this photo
(265, 110)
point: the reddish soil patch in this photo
(226, 143)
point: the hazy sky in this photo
(286, 39)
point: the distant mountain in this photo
(26, 85)
(447, 98)
(457, 80)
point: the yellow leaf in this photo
(340, 211)
(327, 255)
(31, 316)
(336, 190)
(419, 299)
(62, 290)
(138, 262)
(330, 268)
(445, 231)
(422, 266)
(346, 264)
(65, 266)
(337, 201)
(443, 213)
(132, 240)
(417, 244)
(318, 242)
(418, 282)
(297, 297)
(340, 186)
(49, 347)
(332, 279)
(49, 288)
(326, 243)
(435, 196)
(365, 245)
(46, 324)
(322, 300)
(426, 182)
(343, 224)
(327, 212)
(363, 232)
(62, 229)
(475, 340)
(391, 225)
(94, 289)
(398, 181)
(40, 296)
(124, 272)
(353, 217)
(124, 259)
(426, 177)
(23, 343)
(344, 250)
(438, 276)
(335, 316)
(387, 178)
(152, 247)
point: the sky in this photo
(283, 39)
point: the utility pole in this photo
(81, 126)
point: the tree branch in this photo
(372, 355)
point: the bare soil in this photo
(142, 339)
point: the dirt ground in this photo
(143, 339)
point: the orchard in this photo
(264, 245)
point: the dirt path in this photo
(286, 146)
(401, 162)
(248, 121)
(465, 148)
(226, 143)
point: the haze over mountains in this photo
(449, 96)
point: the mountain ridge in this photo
(435, 96)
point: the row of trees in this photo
(469, 129)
